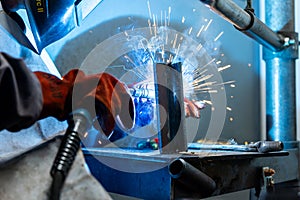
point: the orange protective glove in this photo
(101, 94)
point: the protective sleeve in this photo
(20, 94)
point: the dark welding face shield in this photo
(50, 20)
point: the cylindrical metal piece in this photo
(280, 74)
(246, 22)
(170, 109)
(192, 177)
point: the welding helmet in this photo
(50, 20)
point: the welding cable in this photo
(78, 123)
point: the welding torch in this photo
(78, 123)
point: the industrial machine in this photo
(175, 168)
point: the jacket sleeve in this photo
(20, 94)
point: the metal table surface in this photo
(145, 174)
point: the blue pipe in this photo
(280, 74)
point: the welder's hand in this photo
(192, 108)
(101, 94)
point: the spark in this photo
(175, 41)
(225, 83)
(231, 119)
(85, 134)
(161, 18)
(201, 68)
(201, 79)
(223, 68)
(165, 18)
(213, 91)
(208, 24)
(169, 16)
(177, 50)
(183, 19)
(218, 62)
(228, 108)
(205, 84)
(154, 25)
(199, 47)
(207, 102)
(149, 9)
(170, 58)
(150, 28)
(190, 31)
(125, 32)
(218, 36)
(232, 85)
(200, 31)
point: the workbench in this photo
(145, 174)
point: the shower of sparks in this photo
(220, 34)
(170, 48)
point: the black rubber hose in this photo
(79, 122)
(56, 186)
(63, 161)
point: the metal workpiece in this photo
(247, 22)
(192, 177)
(280, 75)
(170, 107)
